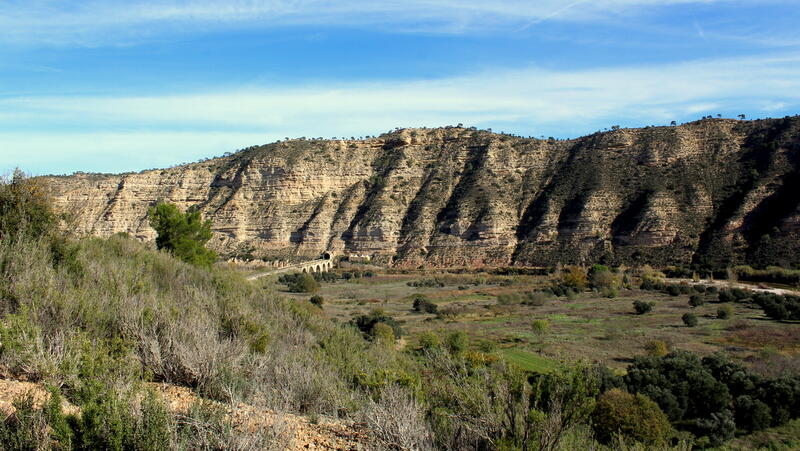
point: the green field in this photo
(588, 327)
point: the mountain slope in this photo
(712, 192)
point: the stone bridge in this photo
(323, 264)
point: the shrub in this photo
(642, 307)
(575, 277)
(422, 304)
(26, 428)
(304, 283)
(603, 278)
(635, 417)
(540, 327)
(724, 312)
(429, 340)
(656, 348)
(317, 300)
(366, 323)
(457, 342)
(690, 319)
(696, 300)
(383, 332)
(182, 234)
(25, 207)
(726, 295)
(674, 290)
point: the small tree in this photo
(690, 319)
(317, 300)
(656, 348)
(383, 333)
(182, 234)
(25, 206)
(575, 277)
(642, 307)
(724, 312)
(304, 283)
(696, 300)
(457, 342)
(635, 417)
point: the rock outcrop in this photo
(713, 192)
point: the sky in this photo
(113, 86)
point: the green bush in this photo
(673, 290)
(540, 327)
(724, 312)
(689, 319)
(696, 300)
(422, 304)
(183, 234)
(457, 342)
(25, 207)
(429, 341)
(634, 417)
(366, 323)
(304, 283)
(642, 307)
(26, 428)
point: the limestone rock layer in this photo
(714, 192)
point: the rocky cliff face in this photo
(712, 192)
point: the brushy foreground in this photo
(97, 317)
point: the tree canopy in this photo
(182, 234)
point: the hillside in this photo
(712, 192)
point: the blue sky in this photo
(110, 86)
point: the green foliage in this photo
(635, 417)
(182, 234)
(382, 332)
(705, 397)
(575, 277)
(429, 341)
(317, 300)
(540, 327)
(304, 283)
(456, 342)
(673, 290)
(422, 304)
(696, 300)
(26, 428)
(366, 323)
(778, 307)
(25, 207)
(689, 319)
(642, 307)
(724, 312)
(656, 348)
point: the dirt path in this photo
(299, 432)
(744, 286)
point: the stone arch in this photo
(305, 270)
(327, 256)
(318, 268)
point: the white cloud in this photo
(169, 129)
(97, 22)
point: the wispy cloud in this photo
(528, 101)
(97, 22)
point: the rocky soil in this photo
(297, 433)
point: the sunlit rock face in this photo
(714, 192)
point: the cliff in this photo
(712, 192)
